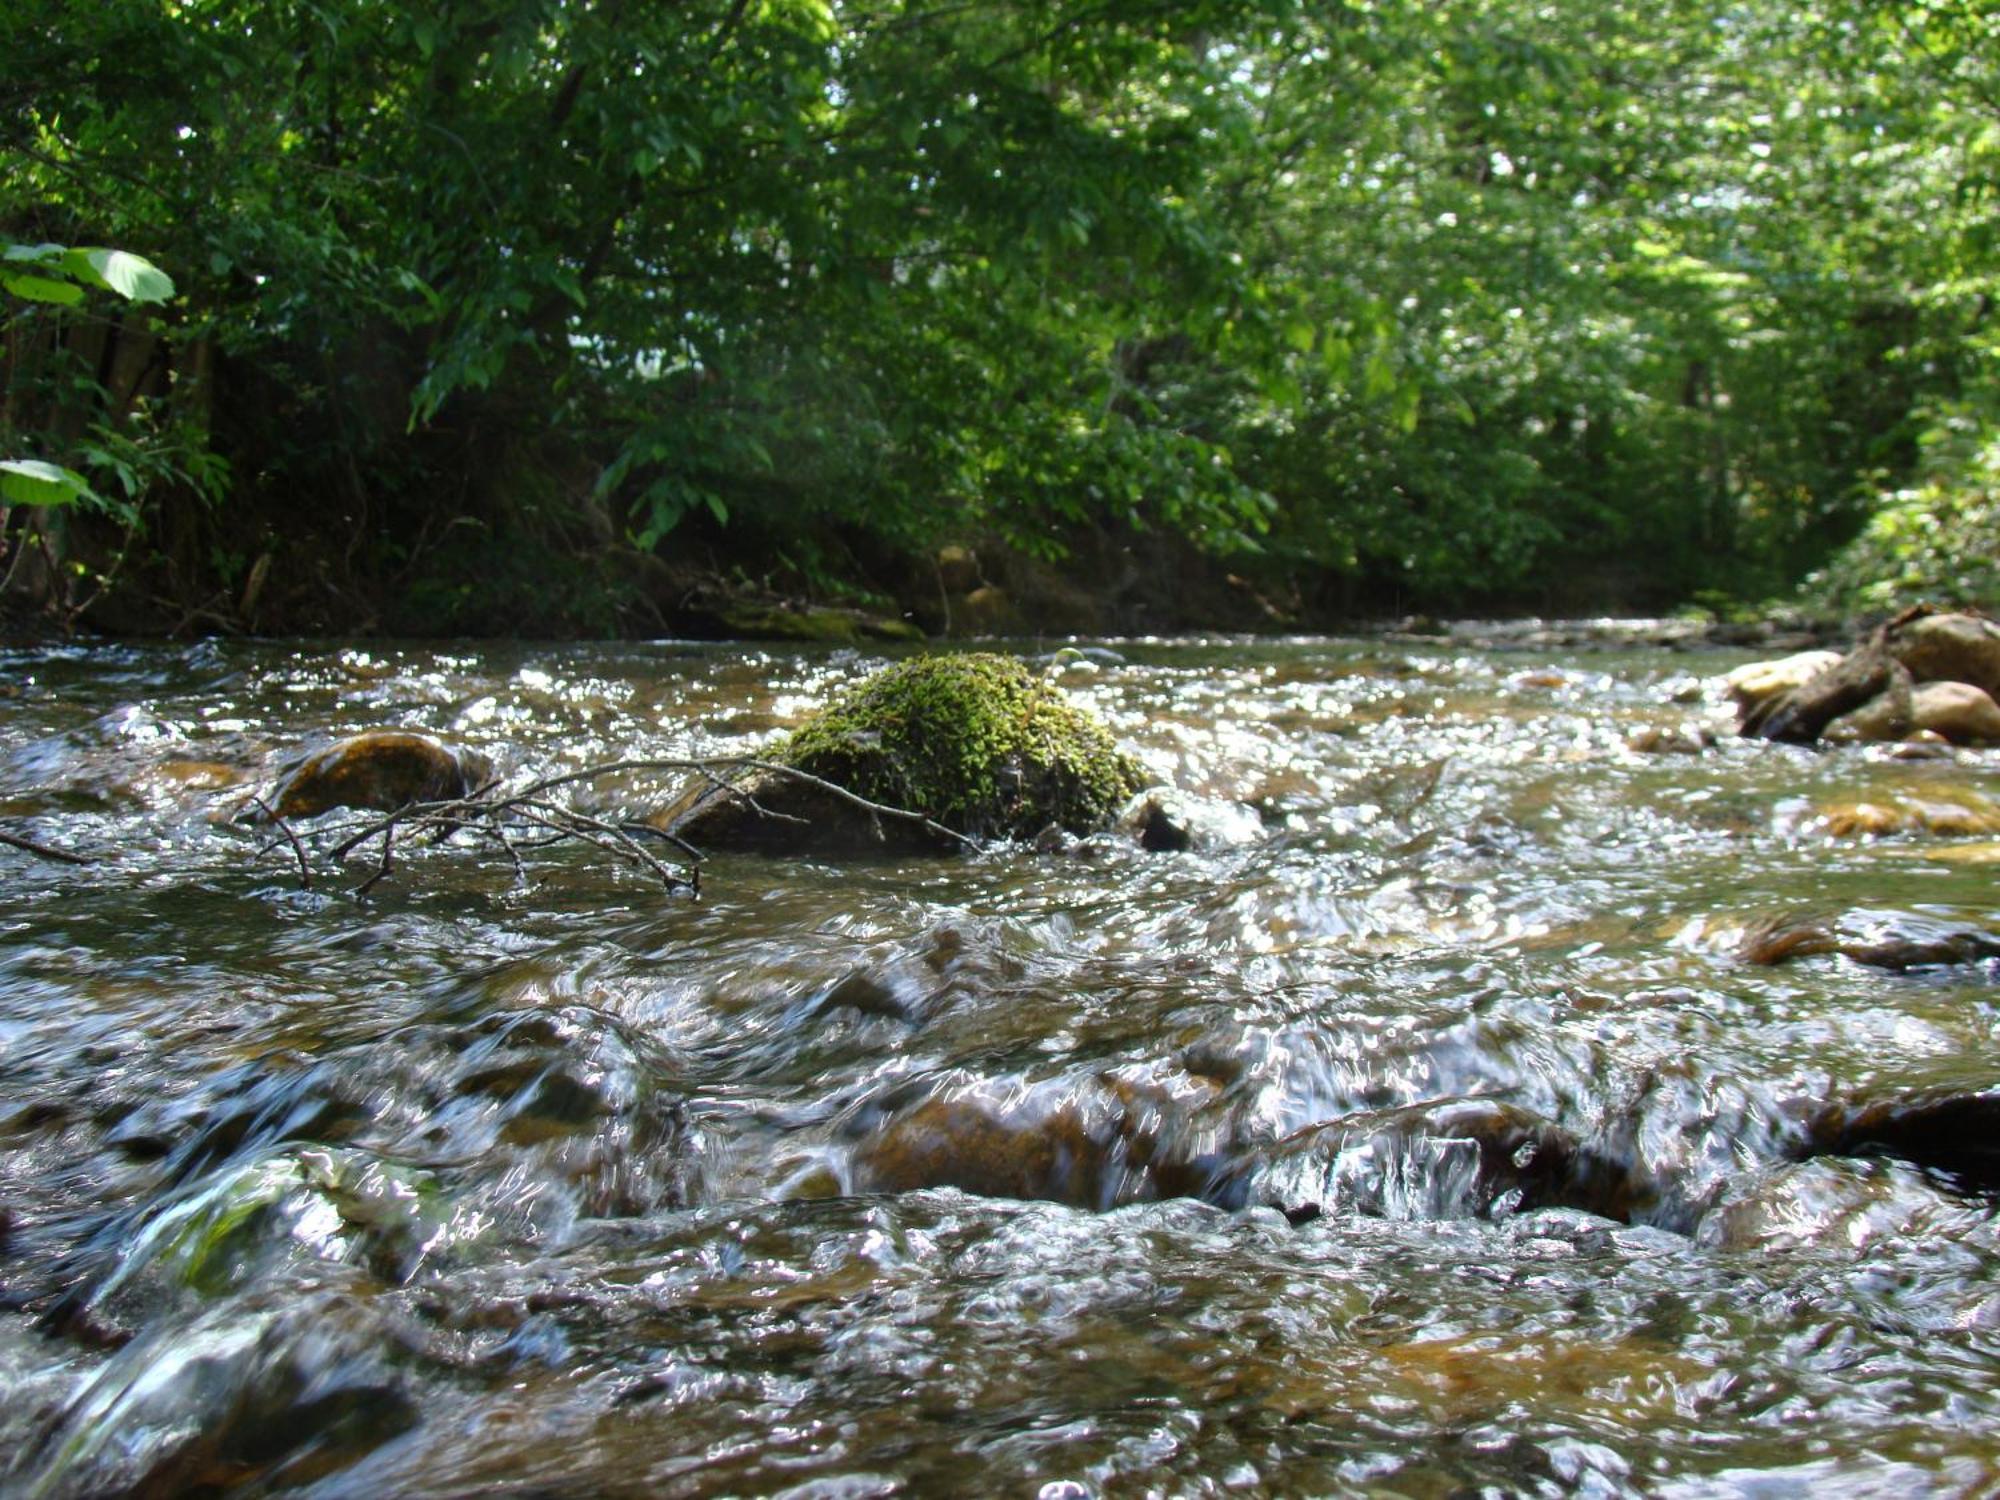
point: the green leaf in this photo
(30, 481)
(42, 289)
(43, 254)
(1378, 377)
(130, 276)
(565, 282)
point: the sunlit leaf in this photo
(130, 276)
(31, 481)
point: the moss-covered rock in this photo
(760, 622)
(976, 743)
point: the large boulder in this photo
(382, 769)
(1875, 686)
(1958, 711)
(978, 745)
(1951, 648)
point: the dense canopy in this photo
(506, 314)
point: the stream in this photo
(1423, 1131)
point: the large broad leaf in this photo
(131, 276)
(30, 481)
(41, 289)
(44, 254)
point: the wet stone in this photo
(1952, 648)
(1092, 1143)
(1441, 1160)
(1965, 815)
(870, 994)
(382, 769)
(1954, 1133)
(238, 1399)
(1880, 939)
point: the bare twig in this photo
(499, 819)
(382, 873)
(584, 825)
(298, 849)
(732, 789)
(46, 851)
(648, 831)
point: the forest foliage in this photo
(475, 302)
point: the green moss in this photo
(977, 742)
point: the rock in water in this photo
(1754, 682)
(1882, 939)
(383, 769)
(1951, 648)
(978, 744)
(1948, 1131)
(1961, 712)
(1953, 659)
(1443, 1159)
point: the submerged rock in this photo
(239, 1400)
(1670, 739)
(1964, 816)
(1952, 1132)
(1450, 1158)
(977, 744)
(1880, 939)
(1167, 821)
(1091, 1143)
(1825, 1202)
(382, 769)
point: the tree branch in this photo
(494, 819)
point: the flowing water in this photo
(1424, 1130)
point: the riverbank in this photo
(738, 584)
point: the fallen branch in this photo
(45, 851)
(498, 818)
(298, 849)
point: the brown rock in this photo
(1940, 817)
(1093, 1142)
(382, 769)
(1000, 1153)
(1751, 684)
(1447, 1158)
(1951, 648)
(1886, 716)
(1880, 939)
(1962, 713)
(1799, 714)
(1957, 1133)
(1669, 739)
